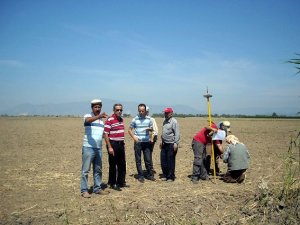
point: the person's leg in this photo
(87, 157)
(147, 159)
(121, 164)
(238, 175)
(97, 169)
(207, 152)
(171, 154)
(112, 168)
(137, 154)
(163, 161)
(203, 174)
(229, 177)
(197, 161)
(151, 153)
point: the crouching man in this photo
(237, 157)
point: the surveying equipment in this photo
(207, 96)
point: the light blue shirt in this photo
(140, 126)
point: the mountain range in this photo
(81, 108)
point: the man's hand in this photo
(111, 151)
(102, 115)
(136, 139)
(175, 147)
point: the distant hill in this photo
(80, 108)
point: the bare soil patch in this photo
(41, 162)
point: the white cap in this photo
(96, 101)
(226, 123)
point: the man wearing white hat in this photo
(91, 149)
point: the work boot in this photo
(241, 178)
(86, 194)
(115, 187)
(101, 192)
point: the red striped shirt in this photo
(114, 128)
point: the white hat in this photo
(96, 101)
(226, 123)
(147, 109)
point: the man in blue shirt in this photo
(140, 131)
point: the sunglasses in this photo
(119, 110)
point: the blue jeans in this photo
(91, 156)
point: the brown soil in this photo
(41, 162)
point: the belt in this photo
(118, 142)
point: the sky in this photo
(165, 52)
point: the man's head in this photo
(168, 112)
(225, 125)
(96, 105)
(118, 109)
(142, 110)
(231, 139)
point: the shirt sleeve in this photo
(226, 155)
(155, 128)
(107, 126)
(176, 130)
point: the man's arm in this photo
(131, 134)
(226, 155)
(93, 118)
(109, 147)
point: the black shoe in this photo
(195, 181)
(150, 178)
(124, 185)
(115, 187)
(141, 179)
(204, 178)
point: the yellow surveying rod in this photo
(207, 96)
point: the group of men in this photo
(143, 130)
(236, 154)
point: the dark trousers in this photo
(234, 176)
(117, 164)
(167, 160)
(207, 161)
(144, 147)
(199, 166)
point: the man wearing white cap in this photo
(224, 129)
(91, 149)
(225, 125)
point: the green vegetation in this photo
(274, 115)
(296, 61)
(280, 203)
